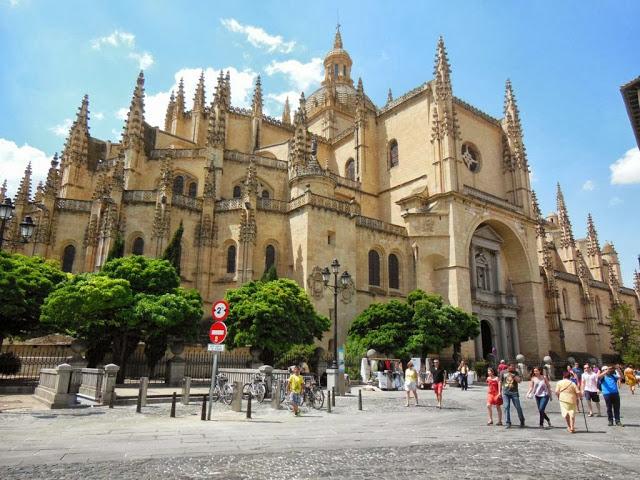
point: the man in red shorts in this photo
(439, 377)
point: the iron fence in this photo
(33, 358)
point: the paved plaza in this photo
(386, 440)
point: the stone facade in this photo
(424, 192)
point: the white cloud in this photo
(13, 161)
(615, 201)
(62, 129)
(121, 113)
(98, 116)
(115, 39)
(242, 82)
(626, 170)
(257, 37)
(126, 40)
(144, 59)
(301, 76)
(589, 186)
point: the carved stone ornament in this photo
(347, 293)
(315, 283)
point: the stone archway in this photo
(486, 339)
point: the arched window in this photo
(193, 189)
(237, 191)
(374, 268)
(565, 303)
(269, 257)
(394, 272)
(178, 185)
(68, 257)
(265, 194)
(393, 153)
(350, 169)
(138, 246)
(231, 259)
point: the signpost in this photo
(217, 335)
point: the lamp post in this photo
(6, 212)
(27, 227)
(345, 280)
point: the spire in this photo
(301, 144)
(171, 107)
(360, 89)
(566, 238)
(286, 112)
(442, 72)
(227, 89)
(133, 135)
(52, 183)
(389, 96)
(256, 103)
(179, 110)
(251, 181)
(337, 40)
(24, 190)
(593, 247)
(537, 214)
(3, 191)
(198, 99)
(636, 282)
(76, 148)
(513, 129)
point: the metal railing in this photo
(33, 359)
(375, 224)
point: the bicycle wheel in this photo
(317, 396)
(246, 390)
(283, 392)
(215, 395)
(227, 394)
(259, 392)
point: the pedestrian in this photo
(411, 383)
(540, 389)
(576, 377)
(610, 385)
(463, 370)
(630, 378)
(494, 396)
(439, 377)
(294, 388)
(589, 389)
(502, 367)
(510, 379)
(567, 393)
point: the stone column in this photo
(335, 379)
(516, 336)
(504, 348)
(176, 366)
(109, 382)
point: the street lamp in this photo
(27, 228)
(345, 281)
(6, 212)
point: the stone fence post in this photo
(53, 388)
(108, 383)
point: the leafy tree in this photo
(272, 316)
(24, 284)
(625, 333)
(422, 325)
(145, 275)
(297, 354)
(270, 274)
(173, 252)
(117, 249)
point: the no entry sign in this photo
(218, 332)
(220, 310)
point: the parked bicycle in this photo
(222, 390)
(257, 389)
(312, 394)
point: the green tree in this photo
(145, 275)
(117, 249)
(25, 282)
(270, 274)
(173, 252)
(422, 325)
(625, 333)
(272, 316)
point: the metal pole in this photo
(172, 414)
(214, 371)
(335, 320)
(2, 224)
(360, 399)
(203, 413)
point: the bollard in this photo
(203, 414)
(249, 406)
(359, 399)
(144, 385)
(139, 402)
(236, 400)
(333, 396)
(186, 390)
(328, 401)
(275, 395)
(112, 398)
(173, 406)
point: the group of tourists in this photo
(438, 375)
(575, 385)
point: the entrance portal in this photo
(487, 339)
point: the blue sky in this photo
(566, 59)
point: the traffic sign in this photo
(218, 332)
(213, 347)
(220, 310)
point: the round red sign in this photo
(218, 332)
(220, 310)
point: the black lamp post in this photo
(6, 212)
(345, 280)
(27, 227)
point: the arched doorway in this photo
(486, 337)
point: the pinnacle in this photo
(337, 41)
(389, 96)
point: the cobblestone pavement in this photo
(384, 441)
